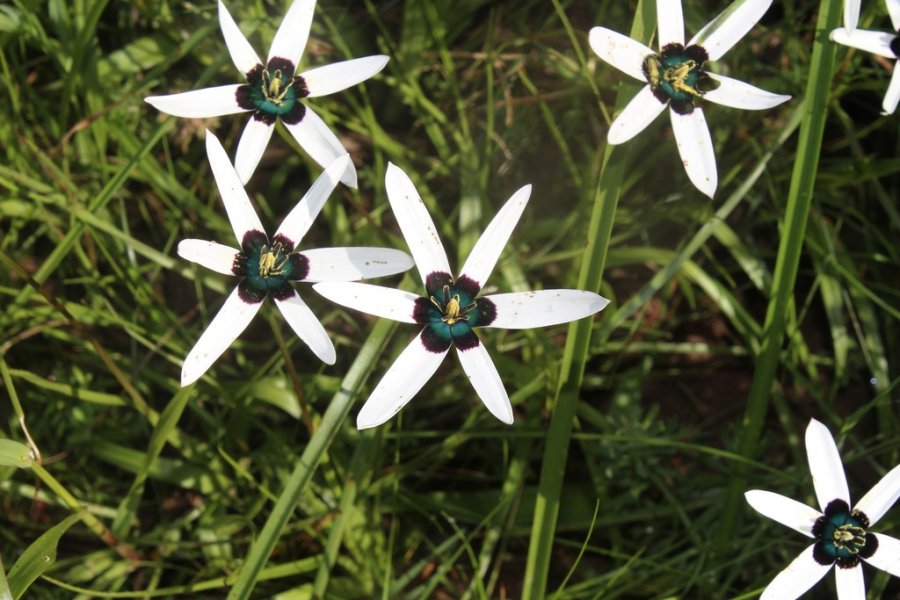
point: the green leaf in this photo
(38, 557)
(15, 454)
(5, 594)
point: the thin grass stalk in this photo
(606, 196)
(332, 420)
(789, 250)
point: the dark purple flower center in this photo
(274, 92)
(676, 76)
(841, 536)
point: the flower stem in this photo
(606, 198)
(789, 250)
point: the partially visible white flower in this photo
(841, 534)
(268, 266)
(275, 91)
(452, 308)
(876, 42)
(676, 77)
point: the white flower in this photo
(268, 266)
(876, 42)
(451, 307)
(273, 91)
(841, 534)
(676, 77)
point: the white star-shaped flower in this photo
(451, 308)
(268, 266)
(676, 78)
(274, 91)
(841, 534)
(876, 42)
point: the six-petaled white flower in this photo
(676, 77)
(275, 91)
(876, 42)
(841, 533)
(268, 266)
(451, 308)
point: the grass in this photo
(621, 482)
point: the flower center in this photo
(273, 91)
(272, 260)
(841, 536)
(676, 76)
(895, 45)
(275, 86)
(451, 309)
(268, 267)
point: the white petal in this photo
(851, 14)
(696, 150)
(229, 322)
(887, 556)
(387, 303)
(212, 255)
(320, 143)
(351, 264)
(524, 310)
(415, 223)
(480, 369)
(728, 28)
(875, 42)
(803, 573)
(635, 117)
(784, 510)
(307, 326)
(670, 22)
(892, 96)
(412, 370)
(329, 79)
(882, 497)
(825, 465)
(487, 250)
(242, 53)
(620, 51)
(738, 94)
(893, 7)
(300, 219)
(850, 583)
(199, 104)
(251, 147)
(292, 34)
(240, 212)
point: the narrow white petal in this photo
(321, 144)
(300, 219)
(387, 303)
(875, 42)
(292, 34)
(480, 369)
(524, 310)
(487, 250)
(199, 104)
(229, 322)
(850, 583)
(242, 53)
(212, 255)
(882, 497)
(851, 14)
(412, 370)
(307, 326)
(670, 22)
(351, 264)
(696, 149)
(738, 94)
(784, 510)
(728, 28)
(635, 117)
(887, 556)
(251, 147)
(893, 7)
(803, 573)
(415, 223)
(825, 465)
(620, 51)
(892, 97)
(329, 79)
(240, 212)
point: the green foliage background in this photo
(479, 98)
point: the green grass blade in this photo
(38, 557)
